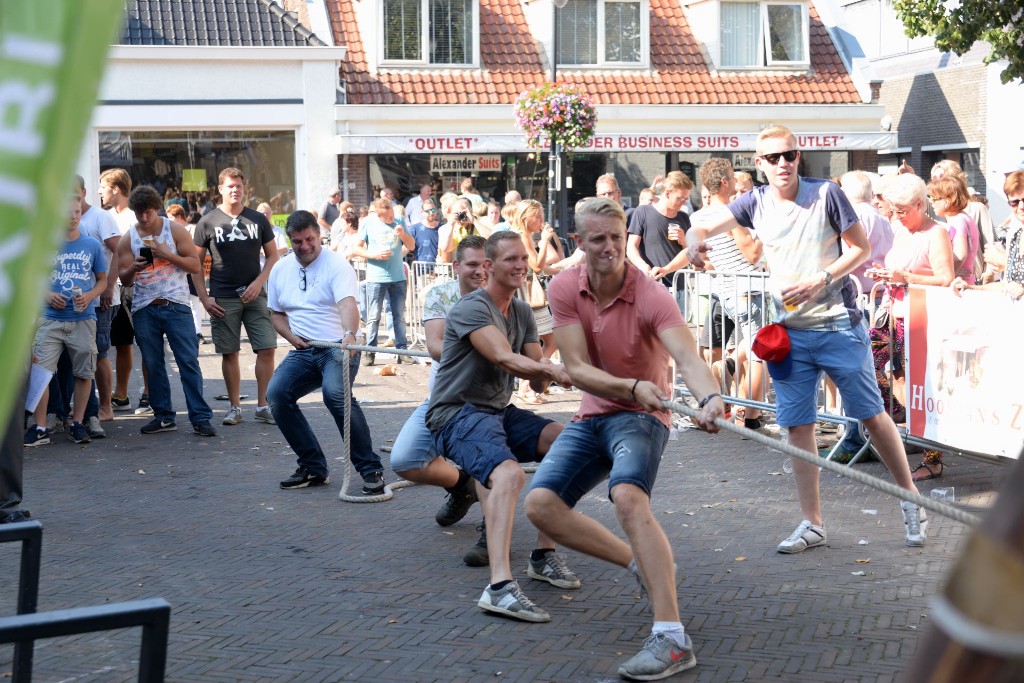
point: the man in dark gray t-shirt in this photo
(489, 337)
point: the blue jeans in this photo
(302, 372)
(174, 321)
(395, 292)
(62, 390)
(625, 447)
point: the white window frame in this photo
(425, 41)
(645, 40)
(765, 48)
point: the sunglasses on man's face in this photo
(1014, 202)
(429, 210)
(773, 158)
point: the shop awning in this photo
(681, 142)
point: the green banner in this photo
(52, 54)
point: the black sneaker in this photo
(36, 436)
(456, 505)
(373, 483)
(204, 429)
(78, 434)
(157, 425)
(368, 359)
(15, 516)
(477, 555)
(303, 478)
(120, 404)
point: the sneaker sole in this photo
(561, 583)
(172, 428)
(41, 442)
(522, 616)
(307, 484)
(794, 551)
(266, 420)
(97, 436)
(673, 669)
(85, 440)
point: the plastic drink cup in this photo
(76, 292)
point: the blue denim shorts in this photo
(845, 356)
(479, 440)
(414, 447)
(625, 447)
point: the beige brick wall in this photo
(943, 107)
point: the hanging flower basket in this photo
(556, 111)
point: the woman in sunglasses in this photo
(921, 254)
(1013, 275)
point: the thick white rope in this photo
(874, 482)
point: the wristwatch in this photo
(828, 277)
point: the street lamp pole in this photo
(554, 153)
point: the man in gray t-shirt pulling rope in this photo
(490, 336)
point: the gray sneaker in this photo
(915, 520)
(234, 416)
(512, 602)
(806, 536)
(265, 416)
(553, 569)
(659, 658)
(92, 425)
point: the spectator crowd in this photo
(523, 312)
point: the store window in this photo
(189, 162)
(429, 31)
(757, 34)
(602, 32)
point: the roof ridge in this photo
(293, 23)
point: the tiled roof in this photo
(259, 23)
(512, 62)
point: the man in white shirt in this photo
(414, 207)
(115, 186)
(311, 295)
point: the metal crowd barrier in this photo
(420, 276)
(153, 615)
(694, 292)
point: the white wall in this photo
(1005, 137)
(137, 76)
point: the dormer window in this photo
(759, 34)
(603, 33)
(430, 32)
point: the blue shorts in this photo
(478, 440)
(845, 356)
(104, 316)
(626, 447)
(414, 447)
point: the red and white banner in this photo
(966, 377)
(668, 142)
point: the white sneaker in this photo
(234, 416)
(265, 416)
(915, 519)
(92, 426)
(806, 536)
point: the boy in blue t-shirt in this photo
(78, 277)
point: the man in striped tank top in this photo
(157, 255)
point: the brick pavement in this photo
(271, 585)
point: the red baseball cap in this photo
(771, 344)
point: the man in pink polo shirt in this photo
(616, 329)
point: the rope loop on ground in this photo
(889, 488)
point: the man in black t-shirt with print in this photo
(657, 232)
(235, 235)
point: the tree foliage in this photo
(957, 24)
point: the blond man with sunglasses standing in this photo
(819, 327)
(235, 235)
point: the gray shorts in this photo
(78, 337)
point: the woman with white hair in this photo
(921, 254)
(527, 219)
